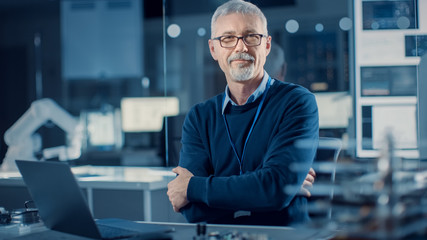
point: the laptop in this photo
(63, 207)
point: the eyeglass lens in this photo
(249, 40)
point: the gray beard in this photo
(241, 73)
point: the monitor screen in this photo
(389, 81)
(388, 119)
(102, 129)
(382, 119)
(415, 45)
(386, 14)
(145, 114)
(335, 109)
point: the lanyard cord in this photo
(240, 160)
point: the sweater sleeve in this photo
(264, 188)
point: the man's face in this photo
(240, 63)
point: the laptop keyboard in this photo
(109, 232)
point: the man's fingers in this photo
(305, 192)
(177, 188)
(307, 184)
(182, 171)
(177, 170)
(312, 172)
(309, 178)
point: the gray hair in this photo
(237, 6)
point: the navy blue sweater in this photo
(286, 132)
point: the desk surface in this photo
(186, 231)
(96, 181)
(108, 177)
(152, 178)
(182, 231)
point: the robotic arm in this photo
(23, 142)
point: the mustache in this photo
(244, 56)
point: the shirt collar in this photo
(254, 96)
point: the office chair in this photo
(323, 188)
(173, 131)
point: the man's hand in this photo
(308, 183)
(177, 188)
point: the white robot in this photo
(23, 142)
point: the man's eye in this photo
(228, 38)
(252, 37)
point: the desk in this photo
(135, 193)
(182, 231)
(186, 231)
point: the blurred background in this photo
(129, 70)
(90, 55)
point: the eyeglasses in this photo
(250, 40)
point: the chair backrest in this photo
(170, 140)
(325, 167)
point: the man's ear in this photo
(212, 49)
(268, 45)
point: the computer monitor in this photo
(397, 120)
(415, 45)
(102, 130)
(145, 114)
(387, 15)
(335, 109)
(388, 81)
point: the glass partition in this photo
(314, 40)
(113, 58)
(310, 48)
(89, 55)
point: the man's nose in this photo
(241, 46)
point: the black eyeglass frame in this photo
(243, 39)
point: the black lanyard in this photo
(240, 160)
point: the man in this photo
(276, 65)
(243, 148)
